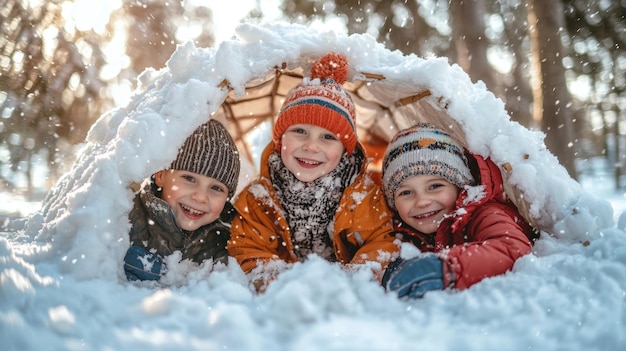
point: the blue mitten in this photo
(414, 277)
(140, 264)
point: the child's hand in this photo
(414, 277)
(261, 284)
(140, 264)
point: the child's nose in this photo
(422, 201)
(200, 196)
(311, 145)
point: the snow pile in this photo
(61, 276)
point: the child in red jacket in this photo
(452, 206)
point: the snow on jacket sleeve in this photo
(257, 232)
(363, 230)
(260, 232)
(362, 225)
(494, 242)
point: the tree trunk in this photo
(551, 105)
(470, 41)
(518, 93)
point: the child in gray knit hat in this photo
(185, 207)
(452, 206)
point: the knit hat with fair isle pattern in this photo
(323, 103)
(212, 152)
(423, 149)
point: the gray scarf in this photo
(311, 206)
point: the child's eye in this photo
(330, 137)
(298, 130)
(218, 188)
(403, 193)
(188, 178)
(435, 186)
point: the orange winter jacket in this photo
(362, 224)
(483, 237)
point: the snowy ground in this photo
(15, 204)
(62, 286)
(564, 297)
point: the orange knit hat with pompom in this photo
(324, 103)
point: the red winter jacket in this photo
(483, 237)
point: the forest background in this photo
(557, 64)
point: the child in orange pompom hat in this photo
(313, 196)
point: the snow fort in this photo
(242, 82)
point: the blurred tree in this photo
(151, 32)
(508, 35)
(155, 27)
(57, 78)
(596, 63)
(398, 24)
(551, 100)
(49, 87)
(469, 34)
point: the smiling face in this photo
(309, 151)
(196, 200)
(422, 201)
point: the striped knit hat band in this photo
(423, 149)
(321, 101)
(212, 152)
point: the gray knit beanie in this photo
(423, 149)
(212, 152)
